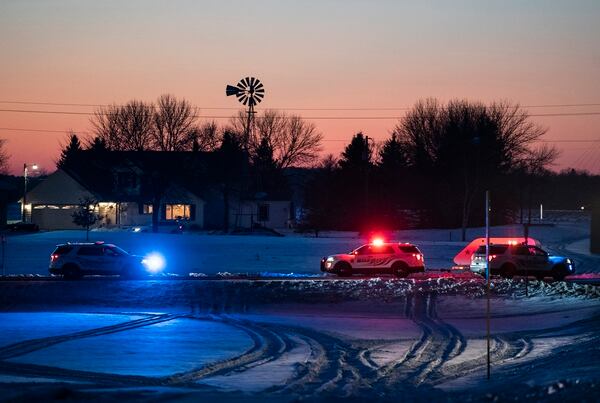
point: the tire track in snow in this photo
(503, 349)
(439, 343)
(28, 346)
(268, 346)
(335, 368)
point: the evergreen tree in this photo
(70, 152)
(357, 155)
(355, 180)
(392, 156)
(98, 145)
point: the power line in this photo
(304, 117)
(402, 108)
(20, 129)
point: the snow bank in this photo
(239, 294)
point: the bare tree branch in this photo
(3, 157)
(125, 128)
(174, 120)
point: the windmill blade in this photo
(249, 91)
(231, 90)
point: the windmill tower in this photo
(249, 91)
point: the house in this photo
(51, 205)
(129, 185)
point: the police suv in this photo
(74, 260)
(508, 260)
(399, 259)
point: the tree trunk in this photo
(466, 213)
(226, 209)
(155, 212)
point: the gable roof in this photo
(58, 188)
(97, 171)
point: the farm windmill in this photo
(249, 91)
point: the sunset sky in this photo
(374, 55)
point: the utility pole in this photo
(487, 276)
(366, 160)
(3, 241)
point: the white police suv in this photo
(512, 259)
(74, 260)
(377, 257)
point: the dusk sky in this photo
(374, 55)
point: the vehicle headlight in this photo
(154, 262)
(330, 259)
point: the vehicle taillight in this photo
(53, 257)
(492, 257)
(418, 256)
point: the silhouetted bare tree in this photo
(3, 157)
(205, 137)
(295, 142)
(468, 144)
(85, 216)
(125, 128)
(174, 124)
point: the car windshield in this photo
(115, 250)
(409, 249)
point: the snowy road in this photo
(294, 253)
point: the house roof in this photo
(98, 172)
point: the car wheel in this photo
(508, 271)
(71, 272)
(400, 269)
(343, 269)
(559, 272)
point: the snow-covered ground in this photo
(293, 253)
(296, 338)
(284, 340)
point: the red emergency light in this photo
(377, 242)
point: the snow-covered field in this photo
(293, 253)
(284, 340)
(295, 338)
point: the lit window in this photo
(147, 209)
(178, 211)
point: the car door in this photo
(522, 257)
(362, 258)
(114, 260)
(90, 259)
(539, 258)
